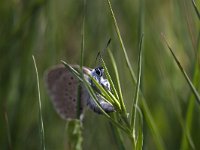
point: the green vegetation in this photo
(152, 64)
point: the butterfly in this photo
(63, 86)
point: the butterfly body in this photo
(65, 90)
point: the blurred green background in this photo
(51, 31)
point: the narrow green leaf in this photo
(186, 137)
(141, 20)
(124, 114)
(151, 124)
(83, 34)
(113, 89)
(40, 106)
(82, 59)
(139, 141)
(118, 81)
(121, 42)
(110, 79)
(196, 9)
(135, 102)
(196, 94)
(75, 72)
(145, 108)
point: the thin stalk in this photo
(196, 94)
(40, 106)
(186, 137)
(196, 9)
(121, 42)
(118, 82)
(145, 107)
(109, 79)
(83, 35)
(124, 114)
(82, 59)
(135, 103)
(139, 140)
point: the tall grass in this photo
(165, 100)
(41, 125)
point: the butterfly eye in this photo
(98, 72)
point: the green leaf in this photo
(121, 41)
(196, 94)
(144, 105)
(118, 82)
(135, 102)
(196, 9)
(139, 141)
(40, 106)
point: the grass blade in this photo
(124, 112)
(152, 125)
(75, 72)
(83, 34)
(121, 42)
(139, 140)
(111, 84)
(118, 81)
(135, 102)
(40, 106)
(145, 108)
(109, 79)
(82, 59)
(186, 137)
(196, 9)
(196, 94)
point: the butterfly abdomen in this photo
(107, 107)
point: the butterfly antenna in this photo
(101, 53)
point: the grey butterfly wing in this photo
(63, 87)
